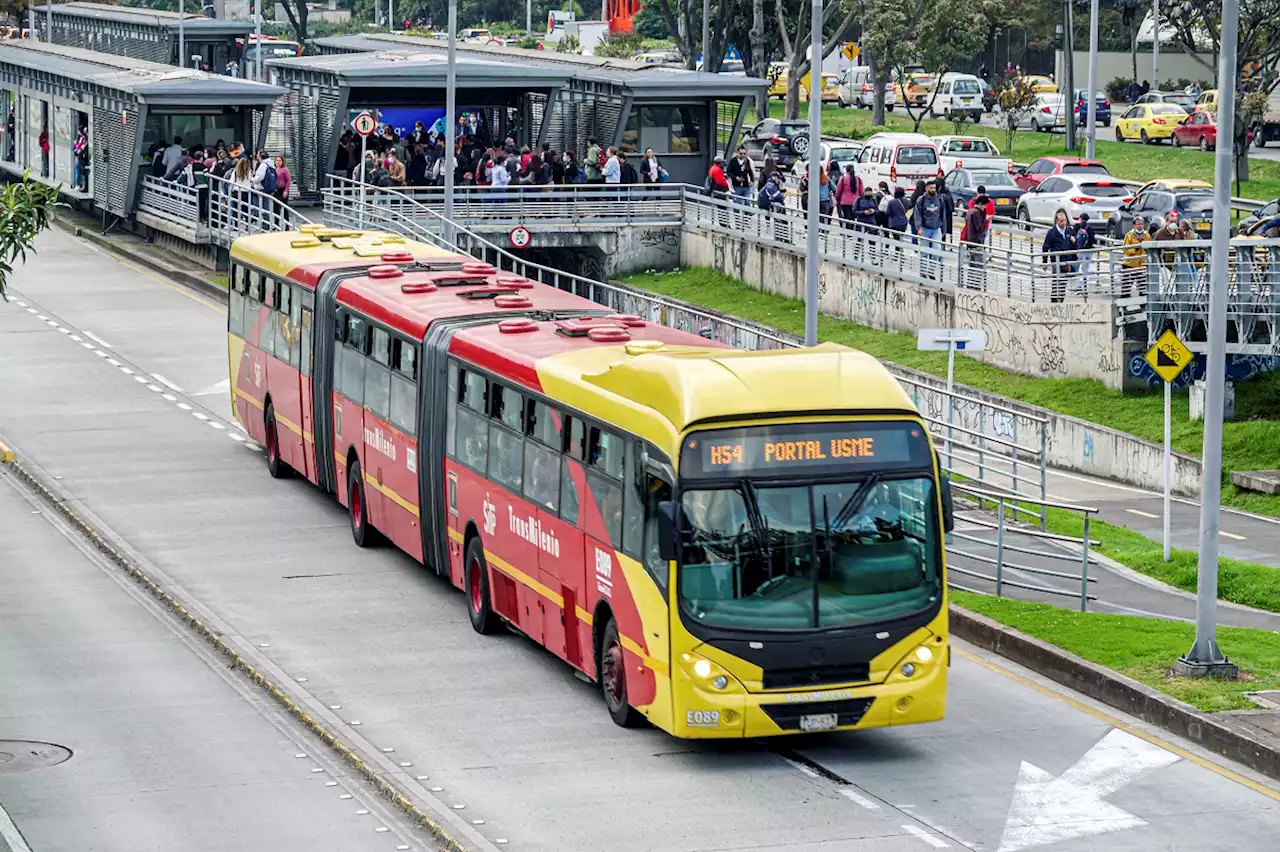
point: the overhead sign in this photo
(364, 124)
(1169, 356)
(943, 339)
(520, 237)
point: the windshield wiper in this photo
(756, 517)
(855, 501)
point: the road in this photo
(494, 724)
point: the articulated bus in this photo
(731, 543)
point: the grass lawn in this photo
(221, 280)
(1127, 160)
(1143, 648)
(1249, 443)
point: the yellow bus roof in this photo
(658, 391)
(281, 252)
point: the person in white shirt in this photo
(172, 157)
(500, 178)
(612, 168)
(260, 171)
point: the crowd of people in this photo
(248, 176)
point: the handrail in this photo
(237, 210)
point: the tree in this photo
(297, 12)
(836, 22)
(938, 34)
(1196, 25)
(757, 64)
(568, 44)
(650, 24)
(619, 45)
(26, 208)
(1017, 99)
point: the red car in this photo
(1045, 167)
(1200, 129)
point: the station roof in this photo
(192, 22)
(151, 82)
(400, 67)
(643, 80)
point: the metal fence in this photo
(216, 207)
(173, 202)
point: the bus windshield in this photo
(761, 553)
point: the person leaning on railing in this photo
(1135, 256)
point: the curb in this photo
(62, 503)
(1125, 694)
(187, 279)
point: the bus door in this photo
(560, 559)
(306, 321)
(519, 536)
(282, 341)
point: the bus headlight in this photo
(924, 654)
(908, 669)
(702, 668)
(707, 674)
(720, 682)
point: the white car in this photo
(840, 153)
(1048, 112)
(856, 89)
(970, 152)
(1097, 195)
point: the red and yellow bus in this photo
(732, 543)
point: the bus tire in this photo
(361, 533)
(276, 466)
(483, 619)
(613, 679)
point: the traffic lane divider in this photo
(62, 503)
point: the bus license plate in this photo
(819, 722)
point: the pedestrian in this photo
(557, 166)
(864, 215)
(717, 183)
(594, 162)
(1059, 247)
(1133, 91)
(896, 217)
(826, 204)
(948, 208)
(1086, 245)
(612, 170)
(770, 194)
(395, 169)
(223, 164)
(415, 173)
(973, 238)
(883, 197)
(916, 195)
(241, 184)
(847, 196)
(770, 167)
(172, 156)
(629, 175)
(81, 150)
(927, 216)
(499, 179)
(988, 203)
(741, 175)
(651, 171)
(573, 171)
(264, 175)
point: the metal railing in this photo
(236, 210)
(573, 204)
(1055, 553)
(171, 201)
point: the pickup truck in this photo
(970, 152)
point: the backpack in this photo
(269, 180)
(602, 158)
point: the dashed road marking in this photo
(199, 415)
(1226, 534)
(9, 834)
(184, 406)
(162, 380)
(802, 768)
(98, 340)
(857, 798)
(935, 842)
(1141, 513)
(113, 362)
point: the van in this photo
(959, 96)
(855, 89)
(898, 159)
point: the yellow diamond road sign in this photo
(1169, 356)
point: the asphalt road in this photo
(494, 724)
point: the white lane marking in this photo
(170, 398)
(76, 338)
(235, 436)
(51, 323)
(40, 316)
(142, 380)
(926, 837)
(113, 362)
(98, 340)
(64, 330)
(1231, 535)
(800, 766)
(853, 796)
(31, 310)
(199, 415)
(184, 406)
(20, 304)
(215, 424)
(153, 388)
(223, 386)
(99, 353)
(126, 371)
(10, 835)
(1141, 513)
(162, 380)
(1047, 810)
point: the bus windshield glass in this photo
(766, 547)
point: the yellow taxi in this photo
(1150, 122)
(1208, 102)
(916, 90)
(777, 80)
(830, 88)
(1173, 185)
(1039, 84)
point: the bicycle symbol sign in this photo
(1169, 356)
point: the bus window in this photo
(506, 457)
(404, 386)
(474, 392)
(606, 452)
(380, 347)
(304, 330)
(569, 502)
(235, 301)
(473, 440)
(296, 353)
(541, 475)
(607, 494)
(577, 444)
(655, 492)
(543, 424)
(352, 386)
(507, 407)
(633, 501)
(377, 387)
(451, 414)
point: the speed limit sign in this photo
(520, 237)
(364, 124)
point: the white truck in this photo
(970, 152)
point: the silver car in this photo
(1097, 195)
(1049, 112)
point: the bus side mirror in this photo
(948, 508)
(670, 526)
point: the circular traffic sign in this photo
(364, 124)
(520, 237)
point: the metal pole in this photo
(528, 17)
(1206, 652)
(257, 35)
(1168, 460)
(1069, 68)
(364, 178)
(1084, 568)
(450, 123)
(391, 16)
(812, 257)
(1093, 79)
(951, 396)
(1000, 552)
(31, 24)
(48, 20)
(182, 35)
(706, 32)
(1155, 45)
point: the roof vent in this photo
(475, 267)
(453, 278)
(514, 281)
(627, 320)
(304, 242)
(414, 287)
(512, 302)
(605, 334)
(517, 326)
(641, 347)
(397, 257)
(485, 292)
(311, 228)
(385, 272)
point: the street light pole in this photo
(257, 36)
(1092, 128)
(182, 35)
(1155, 45)
(812, 257)
(706, 32)
(1205, 658)
(450, 124)
(1068, 67)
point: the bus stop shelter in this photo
(326, 91)
(49, 92)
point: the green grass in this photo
(1126, 160)
(1250, 442)
(221, 280)
(1143, 648)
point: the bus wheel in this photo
(361, 532)
(483, 619)
(613, 679)
(275, 465)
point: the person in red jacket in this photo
(990, 205)
(716, 180)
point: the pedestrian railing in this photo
(173, 202)
(991, 555)
(235, 210)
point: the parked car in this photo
(958, 96)
(916, 89)
(1155, 203)
(783, 140)
(1182, 99)
(1048, 112)
(1101, 108)
(1174, 185)
(1208, 102)
(1262, 214)
(1040, 84)
(898, 159)
(1150, 122)
(1201, 129)
(840, 154)
(1036, 171)
(970, 152)
(964, 183)
(1097, 195)
(855, 89)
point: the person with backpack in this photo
(594, 161)
(864, 215)
(973, 238)
(264, 175)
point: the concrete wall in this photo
(1069, 339)
(599, 253)
(1112, 64)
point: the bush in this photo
(1118, 88)
(619, 45)
(528, 43)
(568, 44)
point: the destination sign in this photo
(808, 448)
